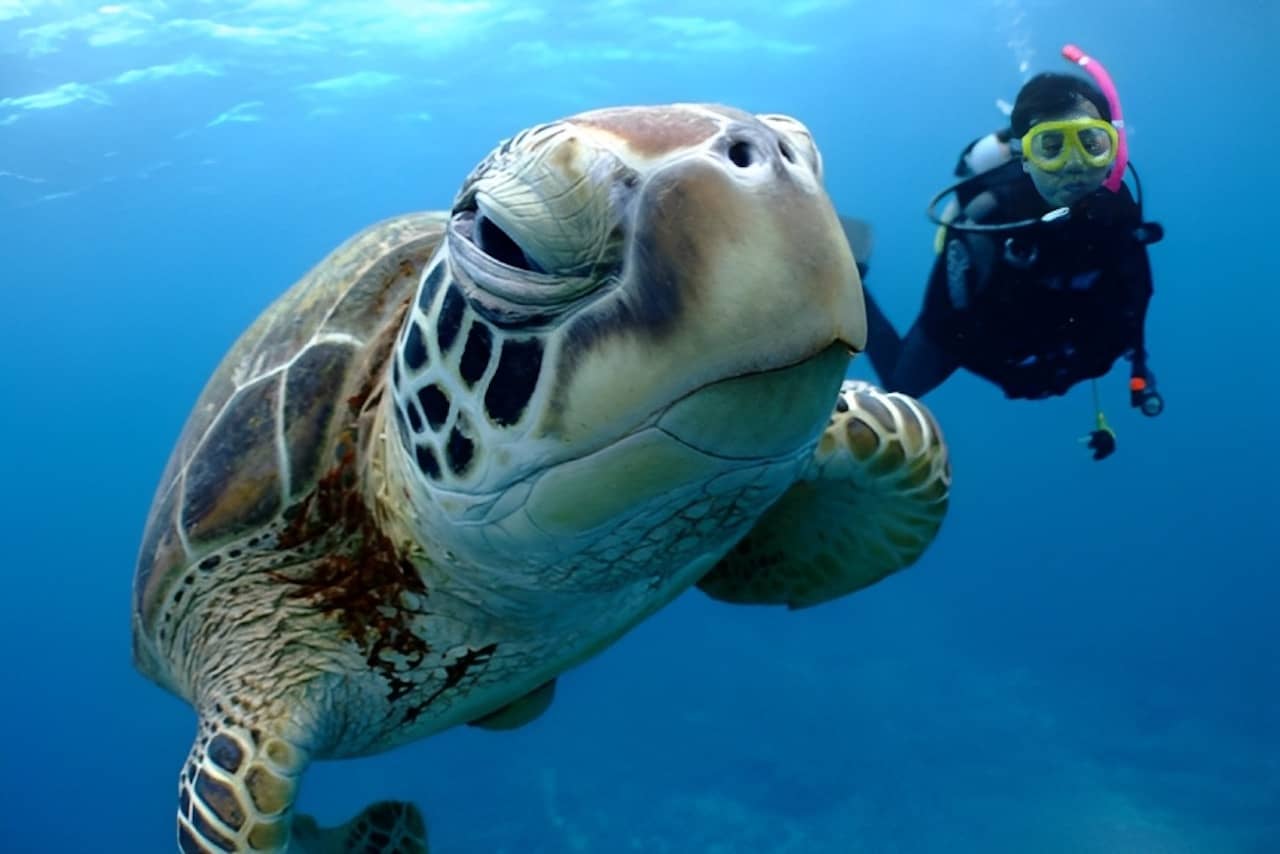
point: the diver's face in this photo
(1076, 179)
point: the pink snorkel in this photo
(1103, 79)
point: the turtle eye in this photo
(501, 247)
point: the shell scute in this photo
(260, 433)
(309, 409)
(233, 482)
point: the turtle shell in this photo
(278, 401)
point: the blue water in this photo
(1088, 659)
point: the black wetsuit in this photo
(1036, 309)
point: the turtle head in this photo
(634, 310)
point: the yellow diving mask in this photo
(1048, 145)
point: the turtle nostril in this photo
(743, 154)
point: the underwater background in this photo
(1087, 660)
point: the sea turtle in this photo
(471, 449)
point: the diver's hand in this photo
(1143, 394)
(1148, 400)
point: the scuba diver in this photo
(1041, 279)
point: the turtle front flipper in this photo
(237, 789)
(869, 504)
(386, 827)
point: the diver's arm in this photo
(1142, 380)
(884, 346)
(981, 207)
(967, 257)
(922, 365)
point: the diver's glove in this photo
(1143, 395)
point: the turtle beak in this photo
(724, 279)
(768, 257)
(734, 266)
